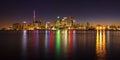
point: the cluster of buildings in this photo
(59, 23)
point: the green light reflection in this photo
(58, 43)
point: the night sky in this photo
(94, 11)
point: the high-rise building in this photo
(24, 26)
(36, 23)
(16, 26)
(72, 20)
(87, 25)
(64, 20)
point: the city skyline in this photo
(94, 11)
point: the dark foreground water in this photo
(59, 45)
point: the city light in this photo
(100, 28)
(60, 24)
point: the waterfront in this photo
(60, 45)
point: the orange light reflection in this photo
(100, 44)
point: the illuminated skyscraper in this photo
(16, 26)
(87, 25)
(36, 23)
(24, 25)
(72, 21)
(64, 20)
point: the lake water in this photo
(60, 45)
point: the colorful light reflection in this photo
(70, 42)
(36, 40)
(74, 41)
(24, 44)
(34, 44)
(47, 37)
(64, 42)
(58, 42)
(66, 37)
(51, 42)
(101, 44)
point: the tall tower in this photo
(71, 21)
(34, 16)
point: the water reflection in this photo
(58, 43)
(47, 39)
(74, 42)
(108, 43)
(51, 42)
(70, 44)
(64, 42)
(101, 45)
(68, 41)
(36, 44)
(24, 45)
